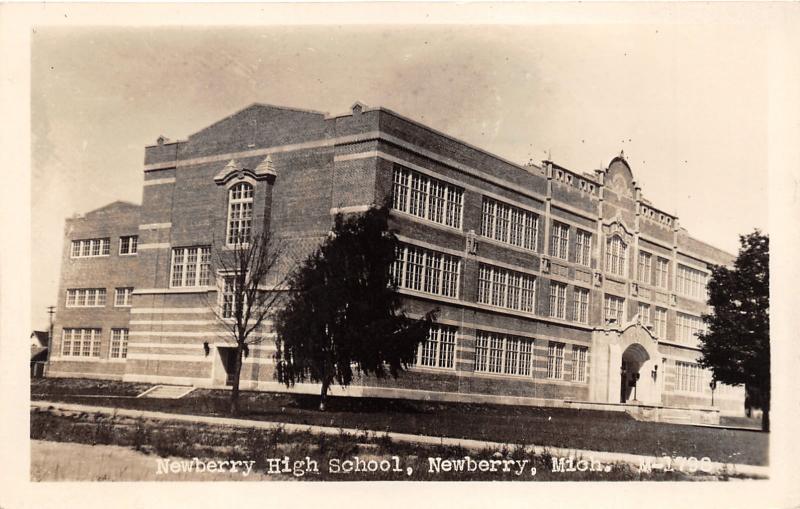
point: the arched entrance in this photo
(621, 356)
(633, 358)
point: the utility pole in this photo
(51, 310)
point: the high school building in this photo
(555, 287)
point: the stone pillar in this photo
(614, 364)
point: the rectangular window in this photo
(509, 224)
(190, 266)
(128, 244)
(690, 377)
(86, 297)
(579, 363)
(229, 297)
(555, 360)
(558, 300)
(614, 308)
(662, 273)
(645, 267)
(506, 288)
(691, 282)
(503, 354)
(122, 297)
(580, 310)
(616, 256)
(428, 271)
(687, 327)
(119, 344)
(583, 248)
(559, 240)
(438, 351)
(660, 323)
(645, 318)
(90, 248)
(427, 197)
(80, 342)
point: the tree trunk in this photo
(323, 395)
(765, 419)
(237, 372)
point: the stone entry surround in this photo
(638, 348)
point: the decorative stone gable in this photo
(235, 171)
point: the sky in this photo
(686, 102)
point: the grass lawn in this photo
(74, 445)
(569, 428)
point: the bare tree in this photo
(249, 289)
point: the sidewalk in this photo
(473, 445)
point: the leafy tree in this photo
(736, 347)
(343, 310)
(244, 302)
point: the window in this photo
(660, 323)
(86, 297)
(616, 254)
(583, 248)
(503, 354)
(614, 308)
(580, 309)
(687, 327)
(230, 297)
(506, 288)
(240, 214)
(438, 351)
(119, 344)
(645, 267)
(191, 266)
(80, 342)
(662, 273)
(128, 244)
(87, 248)
(559, 240)
(509, 224)
(427, 197)
(122, 297)
(579, 363)
(691, 282)
(645, 317)
(689, 376)
(555, 360)
(558, 300)
(428, 271)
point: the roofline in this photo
(324, 114)
(439, 133)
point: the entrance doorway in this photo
(227, 357)
(632, 360)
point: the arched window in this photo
(240, 213)
(616, 255)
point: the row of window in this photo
(427, 197)
(440, 202)
(509, 224)
(428, 271)
(500, 354)
(506, 288)
(687, 327)
(437, 273)
(86, 343)
(691, 282)
(88, 248)
(96, 297)
(690, 377)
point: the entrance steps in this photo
(166, 392)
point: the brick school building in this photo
(555, 287)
